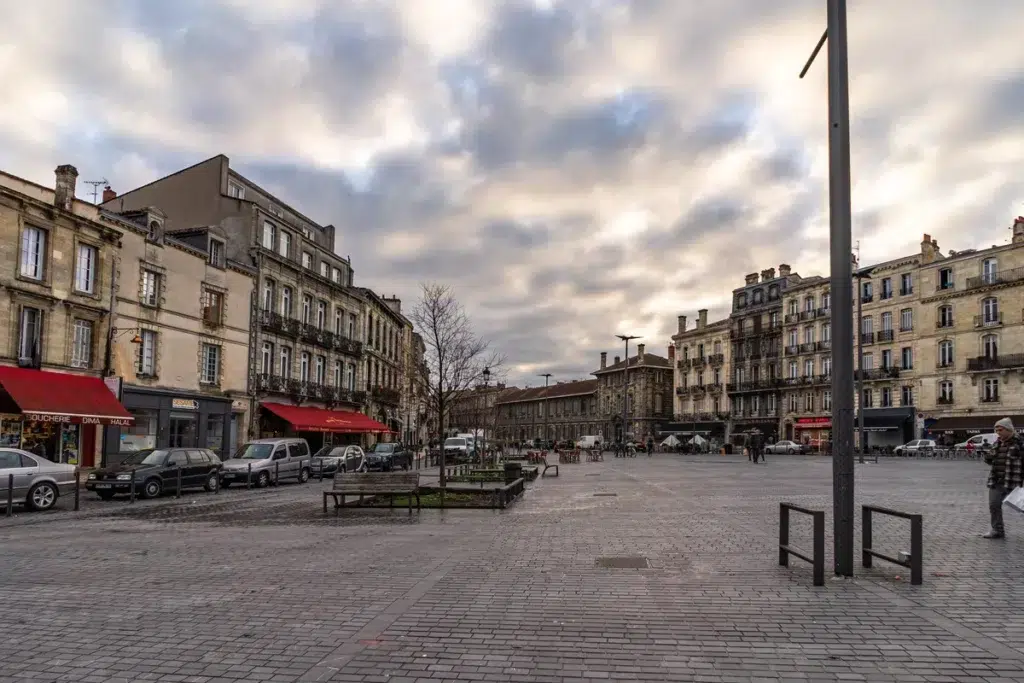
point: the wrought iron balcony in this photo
(991, 320)
(347, 345)
(807, 347)
(878, 374)
(1002, 277)
(906, 291)
(791, 350)
(987, 363)
(941, 324)
(867, 337)
(792, 318)
(716, 359)
(698, 390)
(698, 362)
(299, 390)
(823, 345)
(885, 336)
(681, 391)
(385, 395)
(714, 389)
(944, 400)
(867, 298)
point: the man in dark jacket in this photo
(1007, 473)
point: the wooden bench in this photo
(544, 461)
(374, 484)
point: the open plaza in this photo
(647, 569)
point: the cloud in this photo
(574, 168)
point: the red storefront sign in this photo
(813, 423)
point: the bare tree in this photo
(455, 357)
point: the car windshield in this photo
(146, 457)
(255, 451)
(380, 448)
(454, 442)
(330, 452)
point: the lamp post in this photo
(625, 385)
(546, 376)
(483, 435)
(840, 247)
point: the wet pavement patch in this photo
(631, 562)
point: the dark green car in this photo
(388, 457)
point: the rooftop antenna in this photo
(96, 187)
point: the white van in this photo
(588, 442)
(979, 441)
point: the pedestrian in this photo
(1007, 473)
(650, 446)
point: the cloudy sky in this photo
(574, 168)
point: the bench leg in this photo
(325, 501)
(360, 500)
(339, 501)
(391, 500)
(410, 503)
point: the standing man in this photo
(1007, 473)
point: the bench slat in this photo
(376, 482)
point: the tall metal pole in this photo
(546, 376)
(841, 252)
(625, 385)
(860, 367)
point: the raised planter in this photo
(491, 498)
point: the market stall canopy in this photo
(45, 396)
(309, 419)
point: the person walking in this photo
(1007, 473)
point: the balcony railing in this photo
(867, 337)
(386, 395)
(945, 365)
(885, 336)
(942, 324)
(682, 363)
(791, 350)
(698, 362)
(991, 320)
(754, 385)
(701, 417)
(716, 359)
(681, 391)
(792, 318)
(823, 345)
(298, 389)
(714, 389)
(697, 390)
(807, 347)
(985, 363)
(878, 374)
(867, 298)
(809, 314)
(290, 327)
(1002, 277)
(885, 294)
(906, 291)
(944, 400)
(991, 398)
(945, 286)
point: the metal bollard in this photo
(177, 487)
(78, 484)
(10, 495)
(277, 472)
(321, 470)
(132, 486)
(248, 477)
(216, 487)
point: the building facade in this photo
(806, 398)
(559, 412)
(702, 371)
(58, 263)
(384, 359)
(645, 381)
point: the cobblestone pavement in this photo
(262, 586)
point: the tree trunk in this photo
(443, 477)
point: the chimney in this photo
(604, 359)
(928, 249)
(702, 318)
(682, 324)
(108, 194)
(784, 270)
(617, 359)
(752, 279)
(671, 352)
(640, 351)
(1018, 230)
(64, 188)
(767, 274)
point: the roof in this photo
(649, 361)
(581, 387)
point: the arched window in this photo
(989, 271)
(945, 353)
(945, 316)
(990, 311)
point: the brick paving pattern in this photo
(262, 586)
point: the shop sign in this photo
(114, 384)
(813, 422)
(78, 419)
(184, 404)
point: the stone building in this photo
(181, 341)
(970, 343)
(701, 372)
(476, 410)
(568, 410)
(645, 381)
(58, 260)
(414, 390)
(805, 402)
(305, 342)
(384, 359)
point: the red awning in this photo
(46, 396)
(308, 419)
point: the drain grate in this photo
(632, 562)
(606, 494)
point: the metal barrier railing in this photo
(913, 561)
(817, 557)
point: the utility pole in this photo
(625, 386)
(840, 229)
(544, 439)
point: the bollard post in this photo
(248, 477)
(819, 548)
(216, 487)
(78, 484)
(783, 535)
(865, 537)
(916, 550)
(277, 472)
(131, 498)
(321, 470)
(177, 486)
(10, 495)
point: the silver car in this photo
(38, 482)
(271, 460)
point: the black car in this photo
(157, 471)
(386, 457)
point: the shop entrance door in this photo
(183, 430)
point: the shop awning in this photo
(46, 396)
(884, 419)
(309, 419)
(977, 424)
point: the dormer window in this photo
(216, 253)
(154, 231)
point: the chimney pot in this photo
(64, 186)
(108, 194)
(617, 359)
(604, 359)
(702, 318)
(751, 278)
(671, 351)
(682, 324)
(784, 270)
(640, 351)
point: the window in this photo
(267, 359)
(147, 353)
(989, 269)
(990, 390)
(793, 307)
(794, 405)
(269, 235)
(945, 316)
(886, 397)
(285, 245)
(907, 358)
(235, 190)
(793, 370)
(321, 370)
(809, 367)
(307, 309)
(154, 231)
(826, 366)
(946, 278)
(887, 321)
(792, 338)
(867, 325)
(209, 373)
(150, 295)
(33, 252)
(352, 322)
(886, 359)
(826, 333)
(990, 310)
(906, 320)
(214, 434)
(325, 269)
(338, 373)
(809, 303)
(717, 348)
(808, 403)
(717, 374)
(906, 284)
(869, 362)
(907, 395)
(945, 353)
(286, 362)
(700, 378)
(321, 315)
(826, 401)
(336, 276)
(268, 295)
(85, 268)
(945, 391)
(81, 344)
(216, 253)
(213, 307)
(867, 291)
(741, 301)
(758, 296)
(304, 366)
(307, 260)
(30, 334)
(826, 300)
(350, 376)
(808, 335)
(773, 292)
(869, 399)
(886, 288)
(339, 321)
(286, 302)
(773, 320)
(990, 346)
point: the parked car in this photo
(914, 446)
(156, 472)
(978, 441)
(386, 457)
(787, 447)
(334, 459)
(272, 460)
(456, 449)
(38, 482)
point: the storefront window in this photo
(142, 434)
(69, 446)
(10, 433)
(183, 430)
(215, 432)
(42, 438)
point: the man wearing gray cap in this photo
(1006, 475)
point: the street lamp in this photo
(840, 248)
(625, 385)
(546, 376)
(487, 378)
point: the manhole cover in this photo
(606, 494)
(635, 562)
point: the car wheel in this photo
(211, 482)
(263, 480)
(792, 451)
(152, 488)
(303, 475)
(105, 495)
(42, 496)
